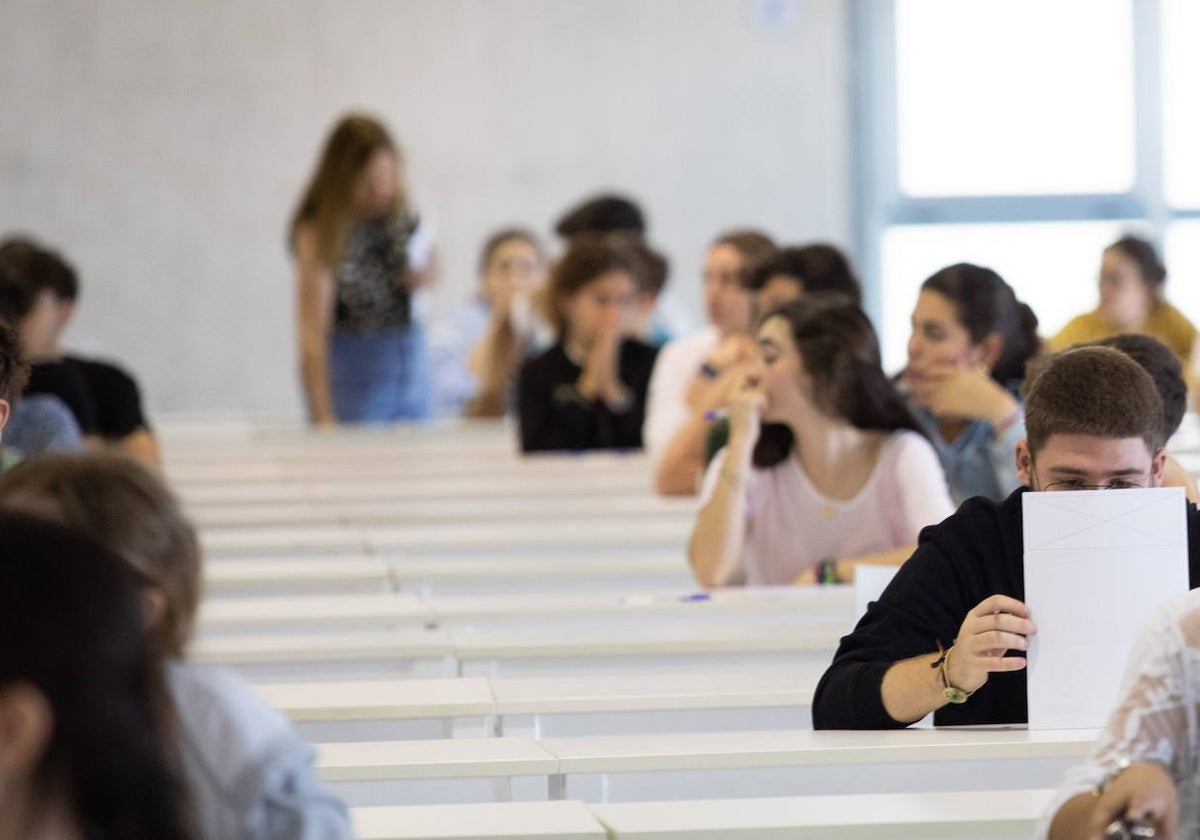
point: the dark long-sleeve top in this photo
(555, 416)
(973, 554)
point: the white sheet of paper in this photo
(1097, 564)
(869, 583)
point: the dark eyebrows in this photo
(1071, 472)
(769, 342)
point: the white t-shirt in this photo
(666, 411)
(791, 526)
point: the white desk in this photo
(290, 576)
(306, 614)
(502, 821)
(977, 815)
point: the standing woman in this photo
(358, 261)
(970, 341)
(825, 467)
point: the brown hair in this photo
(582, 264)
(1092, 391)
(753, 245)
(503, 236)
(1164, 368)
(327, 200)
(818, 268)
(128, 509)
(840, 353)
(14, 372)
(1151, 269)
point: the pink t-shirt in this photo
(790, 526)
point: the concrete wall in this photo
(161, 145)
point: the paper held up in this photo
(1097, 564)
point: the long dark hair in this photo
(985, 304)
(840, 353)
(71, 627)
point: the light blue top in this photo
(450, 344)
(976, 463)
(248, 774)
(42, 423)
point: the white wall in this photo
(161, 145)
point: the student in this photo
(247, 773)
(783, 277)
(794, 271)
(588, 391)
(1131, 300)
(1166, 371)
(824, 468)
(477, 352)
(695, 374)
(85, 730)
(70, 401)
(360, 258)
(1145, 763)
(970, 341)
(944, 624)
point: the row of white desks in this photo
(414, 539)
(687, 766)
(436, 652)
(385, 610)
(538, 707)
(976, 815)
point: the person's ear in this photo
(26, 723)
(1024, 463)
(1158, 468)
(154, 607)
(5, 411)
(987, 352)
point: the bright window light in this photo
(1008, 97)
(1181, 92)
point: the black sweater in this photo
(975, 553)
(554, 415)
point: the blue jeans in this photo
(379, 377)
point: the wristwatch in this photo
(952, 693)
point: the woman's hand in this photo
(1141, 791)
(745, 406)
(963, 393)
(726, 367)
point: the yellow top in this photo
(1165, 322)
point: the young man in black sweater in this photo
(948, 635)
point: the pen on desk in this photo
(695, 596)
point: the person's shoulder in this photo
(1172, 319)
(102, 371)
(695, 344)
(223, 706)
(553, 358)
(1086, 327)
(638, 350)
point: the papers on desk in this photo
(1097, 564)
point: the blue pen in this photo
(715, 414)
(695, 596)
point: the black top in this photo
(554, 415)
(104, 398)
(370, 291)
(975, 553)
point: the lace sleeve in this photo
(1155, 718)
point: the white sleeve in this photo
(924, 496)
(1155, 719)
(665, 409)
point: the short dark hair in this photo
(1095, 391)
(602, 214)
(1164, 368)
(818, 268)
(24, 262)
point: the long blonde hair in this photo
(326, 202)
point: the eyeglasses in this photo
(1132, 483)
